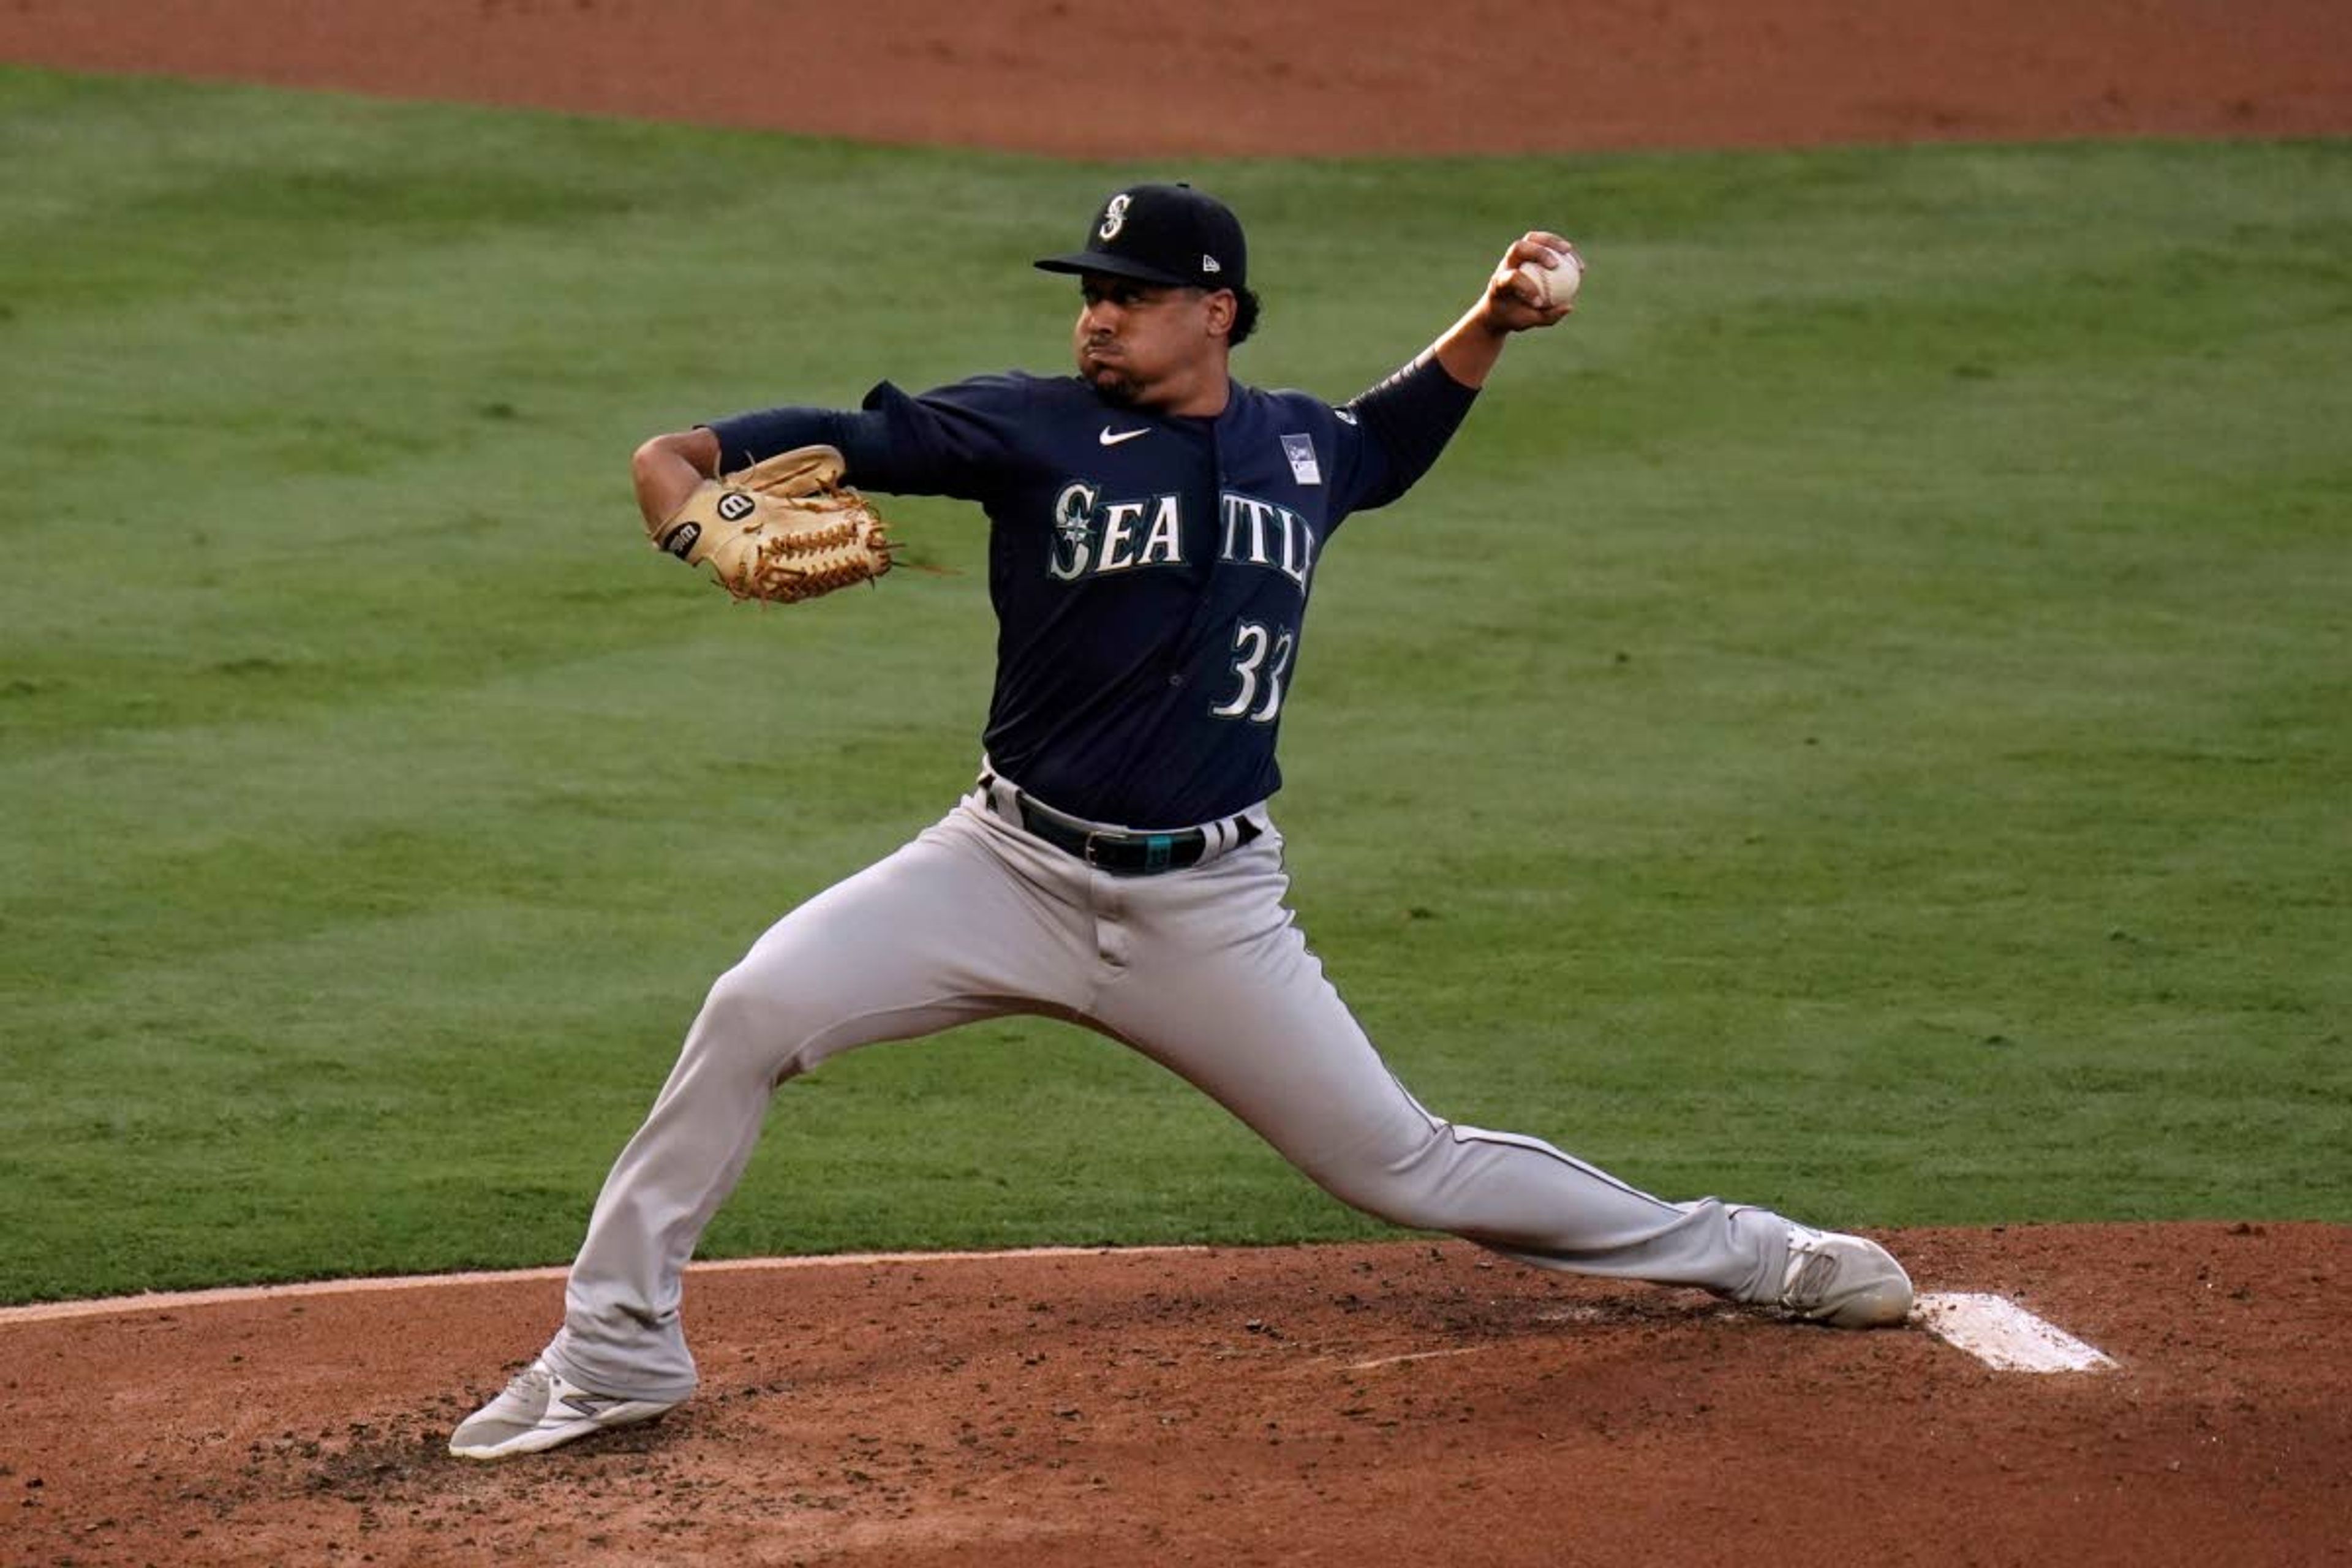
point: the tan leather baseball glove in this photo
(781, 531)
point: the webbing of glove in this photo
(812, 558)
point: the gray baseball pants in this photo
(1203, 970)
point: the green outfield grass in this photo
(1861, 721)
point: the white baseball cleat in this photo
(540, 1409)
(1846, 1281)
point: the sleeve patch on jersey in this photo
(1300, 450)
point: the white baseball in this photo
(1554, 285)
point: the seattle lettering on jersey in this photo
(1093, 538)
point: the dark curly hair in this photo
(1245, 317)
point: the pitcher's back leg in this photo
(944, 931)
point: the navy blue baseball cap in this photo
(1171, 235)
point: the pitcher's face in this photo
(1144, 344)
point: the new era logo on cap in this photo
(1162, 234)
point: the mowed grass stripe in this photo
(1855, 722)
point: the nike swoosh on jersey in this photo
(1108, 439)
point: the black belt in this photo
(1121, 854)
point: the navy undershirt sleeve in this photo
(748, 438)
(954, 440)
(1413, 415)
(753, 438)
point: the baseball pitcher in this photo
(1155, 528)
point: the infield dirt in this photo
(1364, 1405)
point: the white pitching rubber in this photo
(2005, 1336)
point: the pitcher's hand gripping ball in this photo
(1551, 284)
(782, 530)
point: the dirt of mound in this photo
(1405, 1401)
(1283, 76)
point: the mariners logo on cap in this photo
(1114, 218)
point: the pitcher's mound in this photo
(1363, 1405)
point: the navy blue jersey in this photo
(1149, 573)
